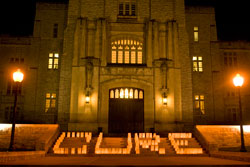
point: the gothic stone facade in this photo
(83, 33)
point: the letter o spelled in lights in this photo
(238, 80)
(18, 76)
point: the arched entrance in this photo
(126, 110)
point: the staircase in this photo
(165, 143)
(76, 144)
(114, 142)
(184, 143)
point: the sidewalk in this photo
(131, 161)
(239, 156)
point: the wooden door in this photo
(126, 114)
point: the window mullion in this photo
(116, 54)
(124, 8)
(123, 54)
(53, 58)
(136, 55)
(129, 54)
(130, 8)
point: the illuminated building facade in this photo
(123, 65)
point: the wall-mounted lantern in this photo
(87, 98)
(164, 99)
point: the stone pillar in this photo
(104, 43)
(162, 43)
(170, 40)
(149, 45)
(164, 76)
(75, 61)
(91, 38)
(176, 46)
(156, 40)
(97, 38)
(83, 38)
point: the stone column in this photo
(164, 76)
(83, 38)
(97, 38)
(149, 45)
(156, 40)
(170, 40)
(91, 38)
(163, 40)
(75, 61)
(176, 46)
(104, 43)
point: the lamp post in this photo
(17, 78)
(238, 82)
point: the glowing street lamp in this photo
(238, 82)
(17, 78)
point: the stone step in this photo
(121, 142)
(114, 142)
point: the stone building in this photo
(122, 66)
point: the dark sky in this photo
(232, 16)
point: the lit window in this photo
(199, 104)
(126, 51)
(197, 63)
(112, 94)
(126, 93)
(121, 93)
(50, 102)
(141, 95)
(53, 61)
(127, 8)
(196, 34)
(116, 93)
(131, 94)
(136, 94)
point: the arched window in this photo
(117, 94)
(126, 51)
(112, 94)
(126, 93)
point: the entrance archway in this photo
(126, 110)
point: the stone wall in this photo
(20, 155)
(238, 50)
(29, 136)
(203, 83)
(166, 63)
(12, 51)
(214, 137)
(47, 80)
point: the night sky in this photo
(232, 16)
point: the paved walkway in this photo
(128, 160)
(240, 156)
